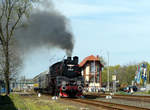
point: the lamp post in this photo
(114, 83)
(94, 76)
(108, 72)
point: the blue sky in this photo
(120, 27)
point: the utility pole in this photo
(94, 77)
(108, 72)
(114, 82)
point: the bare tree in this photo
(1, 63)
(14, 60)
(11, 13)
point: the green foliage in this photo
(112, 70)
(104, 75)
(125, 74)
(122, 93)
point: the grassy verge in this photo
(123, 93)
(134, 93)
(16, 102)
(143, 93)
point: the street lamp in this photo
(108, 72)
(94, 76)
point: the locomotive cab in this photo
(72, 68)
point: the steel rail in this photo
(124, 97)
(108, 105)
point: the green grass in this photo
(16, 102)
(40, 104)
(134, 93)
(123, 93)
(143, 93)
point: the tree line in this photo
(124, 73)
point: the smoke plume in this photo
(45, 28)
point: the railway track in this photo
(101, 104)
(143, 99)
(107, 105)
(124, 97)
(130, 97)
(100, 94)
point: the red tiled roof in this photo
(89, 58)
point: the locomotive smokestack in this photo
(69, 59)
(45, 28)
(76, 60)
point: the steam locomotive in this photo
(63, 79)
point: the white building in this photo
(92, 72)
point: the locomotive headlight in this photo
(78, 82)
(63, 82)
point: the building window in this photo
(92, 79)
(98, 68)
(97, 80)
(92, 67)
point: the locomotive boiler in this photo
(64, 79)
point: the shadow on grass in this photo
(6, 103)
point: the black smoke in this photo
(45, 28)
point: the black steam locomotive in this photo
(63, 79)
